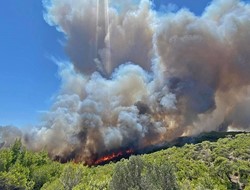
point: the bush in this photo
(136, 174)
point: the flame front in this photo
(112, 156)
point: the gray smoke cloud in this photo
(99, 31)
(138, 78)
(8, 135)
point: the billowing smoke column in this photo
(138, 77)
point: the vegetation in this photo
(22, 169)
(224, 164)
(136, 174)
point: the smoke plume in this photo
(138, 78)
(8, 135)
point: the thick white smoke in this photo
(138, 78)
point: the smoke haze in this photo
(138, 78)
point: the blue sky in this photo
(28, 78)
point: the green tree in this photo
(6, 160)
(71, 176)
(160, 177)
(16, 178)
(138, 175)
(128, 175)
(17, 150)
(45, 173)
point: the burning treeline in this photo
(138, 77)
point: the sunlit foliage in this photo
(224, 164)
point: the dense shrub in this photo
(224, 164)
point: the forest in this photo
(223, 164)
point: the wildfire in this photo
(113, 155)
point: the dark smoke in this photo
(139, 78)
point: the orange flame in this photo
(113, 156)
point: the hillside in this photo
(223, 164)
